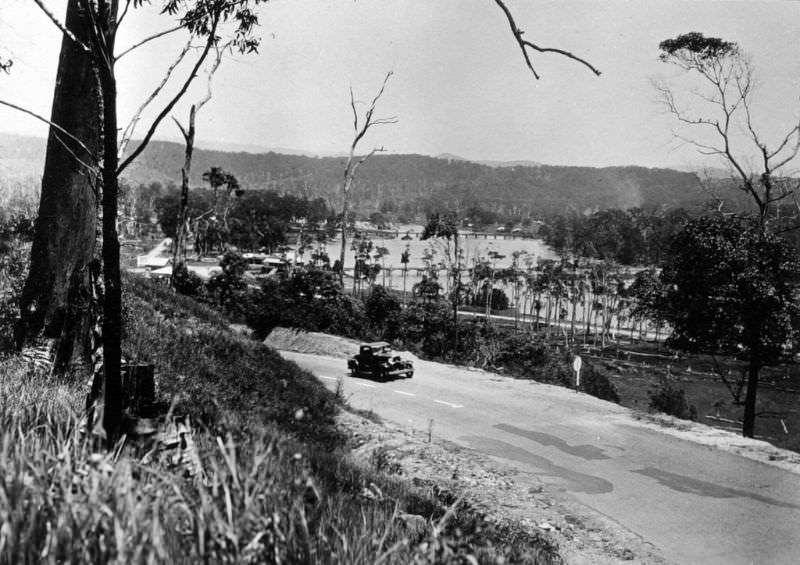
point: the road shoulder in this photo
(503, 495)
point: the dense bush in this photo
(380, 307)
(13, 269)
(15, 234)
(187, 282)
(424, 327)
(597, 384)
(527, 356)
(671, 400)
(308, 299)
(227, 290)
(522, 354)
(312, 300)
(497, 301)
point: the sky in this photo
(460, 85)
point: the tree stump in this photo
(138, 388)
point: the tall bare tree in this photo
(722, 121)
(361, 125)
(188, 133)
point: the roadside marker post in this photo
(576, 366)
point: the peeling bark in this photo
(55, 300)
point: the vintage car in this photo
(377, 360)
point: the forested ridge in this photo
(408, 184)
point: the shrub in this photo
(187, 282)
(307, 299)
(597, 384)
(522, 354)
(227, 289)
(425, 327)
(672, 400)
(13, 270)
(527, 356)
(381, 306)
(497, 301)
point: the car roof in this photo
(376, 344)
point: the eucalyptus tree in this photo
(721, 120)
(729, 287)
(82, 168)
(446, 227)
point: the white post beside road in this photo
(576, 366)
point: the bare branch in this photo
(214, 66)
(93, 171)
(131, 127)
(180, 127)
(53, 125)
(706, 186)
(368, 117)
(701, 147)
(795, 131)
(210, 41)
(364, 158)
(524, 44)
(352, 165)
(123, 14)
(668, 101)
(85, 48)
(353, 106)
(147, 40)
(188, 135)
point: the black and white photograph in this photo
(400, 282)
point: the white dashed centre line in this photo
(328, 378)
(365, 384)
(450, 404)
(405, 393)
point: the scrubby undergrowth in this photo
(278, 485)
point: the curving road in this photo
(696, 504)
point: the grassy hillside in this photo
(278, 484)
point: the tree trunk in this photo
(55, 297)
(345, 205)
(112, 303)
(753, 369)
(179, 245)
(456, 292)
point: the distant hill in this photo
(411, 184)
(524, 163)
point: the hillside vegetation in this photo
(414, 184)
(273, 479)
(409, 184)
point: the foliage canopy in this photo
(731, 287)
(696, 47)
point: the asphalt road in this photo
(695, 504)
